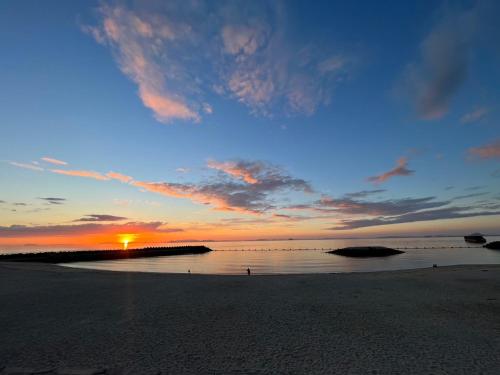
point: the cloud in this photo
(99, 218)
(347, 206)
(255, 182)
(472, 195)
(474, 116)
(400, 170)
(430, 215)
(140, 43)
(489, 151)
(86, 174)
(442, 69)
(14, 231)
(20, 204)
(182, 170)
(247, 171)
(53, 200)
(53, 161)
(118, 176)
(364, 193)
(178, 53)
(26, 166)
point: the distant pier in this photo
(96, 255)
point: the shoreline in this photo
(418, 321)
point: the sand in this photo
(441, 321)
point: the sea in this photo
(266, 257)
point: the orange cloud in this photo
(135, 41)
(164, 107)
(87, 174)
(54, 161)
(118, 176)
(399, 170)
(238, 169)
(490, 151)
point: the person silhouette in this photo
(248, 271)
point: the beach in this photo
(443, 320)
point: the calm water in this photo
(307, 256)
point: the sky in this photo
(190, 120)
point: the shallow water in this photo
(308, 256)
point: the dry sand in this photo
(440, 321)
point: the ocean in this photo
(308, 256)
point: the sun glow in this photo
(125, 239)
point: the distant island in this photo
(96, 255)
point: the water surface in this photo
(308, 256)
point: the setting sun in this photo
(125, 239)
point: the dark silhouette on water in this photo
(95, 255)
(248, 271)
(475, 238)
(365, 251)
(493, 245)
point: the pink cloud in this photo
(490, 151)
(136, 43)
(87, 174)
(118, 176)
(54, 161)
(400, 170)
(246, 172)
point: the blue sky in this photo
(238, 118)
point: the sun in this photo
(125, 239)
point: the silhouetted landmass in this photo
(366, 251)
(95, 255)
(493, 245)
(475, 238)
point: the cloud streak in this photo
(26, 166)
(14, 231)
(474, 116)
(54, 200)
(81, 173)
(400, 170)
(489, 151)
(100, 218)
(442, 69)
(53, 161)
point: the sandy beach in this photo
(442, 321)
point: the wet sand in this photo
(441, 321)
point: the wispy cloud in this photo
(138, 42)
(348, 206)
(118, 176)
(81, 173)
(364, 193)
(489, 151)
(247, 171)
(256, 180)
(100, 218)
(442, 69)
(26, 166)
(53, 161)
(54, 200)
(180, 52)
(474, 116)
(14, 231)
(400, 170)
(438, 214)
